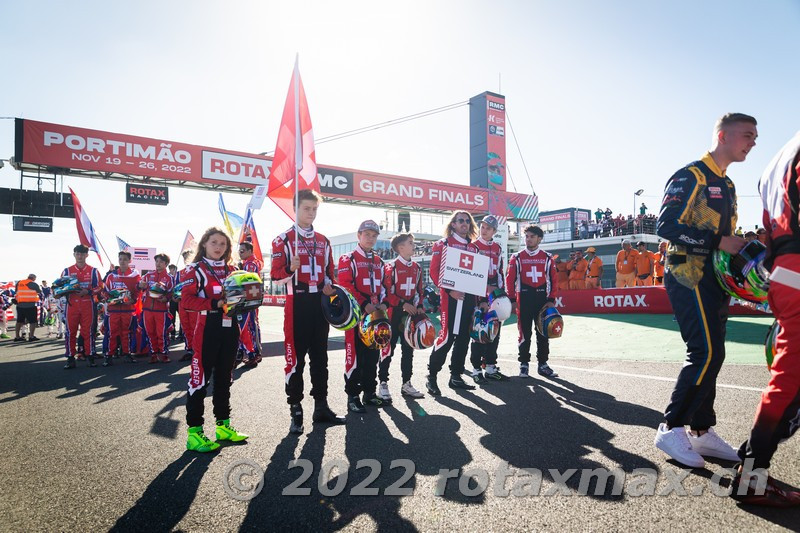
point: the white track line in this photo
(641, 376)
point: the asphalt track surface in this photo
(95, 449)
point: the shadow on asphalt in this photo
(168, 497)
(534, 428)
(433, 444)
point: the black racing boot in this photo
(70, 362)
(296, 411)
(107, 360)
(324, 415)
(91, 360)
(431, 385)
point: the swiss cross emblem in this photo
(407, 286)
(254, 292)
(466, 261)
(534, 274)
(558, 328)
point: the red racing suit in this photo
(81, 311)
(121, 315)
(531, 282)
(187, 316)
(487, 353)
(157, 320)
(361, 273)
(778, 413)
(305, 329)
(215, 339)
(403, 283)
(455, 319)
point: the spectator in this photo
(645, 264)
(608, 212)
(761, 235)
(594, 269)
(43, 311)
(403, 218)
(626, 265)
(660, 261)
(598, 215)
(584, 231)
(750, 236)
(643, 209)
(562, 276)
(577, 271)
(27, 298)
(739, 232)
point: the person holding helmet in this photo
(121, 292)
(531, 282)
(776, 414)
(362, 272)
(594, 269)
(456, 321)
(698, 215)
(486, 353)
(403, 283)
(249, 328)
(216, 338)
(80, 307)
(309, 277)
(157, 286)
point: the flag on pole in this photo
(189, 245)
(86, 234)
(249, 234)
(231, 221)
(122, 244)
(294, 152)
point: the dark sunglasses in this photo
(462, 221)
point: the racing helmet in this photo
(769, 343)
(550, 324)
(65, 285)
(485, 326)
(243, 291)
(157, 290)
(500, 304)
(432, 296)
(418, 331)
(119, 297)
(341, 309)
(743, 275)
(176, 290)
(375, 330)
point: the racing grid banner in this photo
(54, 145)
(646, 300)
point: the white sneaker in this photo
(675, 443)
(383, 392)
(523, 371)
(709, 444)
(409, 390)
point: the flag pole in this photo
(298, 146)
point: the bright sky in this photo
(605, 97)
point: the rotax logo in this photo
(146, 194)
(620, 300)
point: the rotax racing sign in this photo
(146, 194)
(465, 271)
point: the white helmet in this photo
(500, 304)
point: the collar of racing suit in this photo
(361, 251)
(483, 241)
(306, 233)
(403, 261)
(534, 252)
(214, 263)
(459, 238)
(710, 163)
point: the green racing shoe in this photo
(198, 442)
(226, 432)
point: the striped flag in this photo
(249, 234)
(86, 233)
(122, 244)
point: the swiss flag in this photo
(465, 262)
(294, 153)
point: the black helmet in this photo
(340, 309)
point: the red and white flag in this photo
(189, 244)
(294, 152)
(86, 234)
